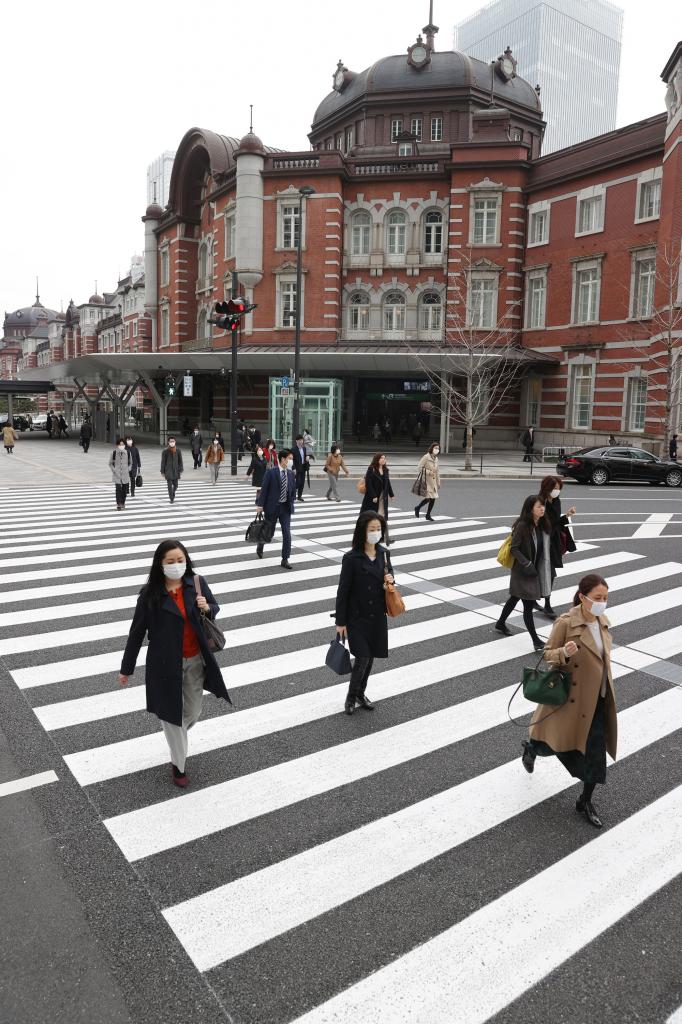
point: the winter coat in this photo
(272, 457)
(171, 463)
(558, 525)
(528, 438)
(196, 443)
(9, 435)
(257, 470)
(136, 463)
(119, 464)
(335, 464)
(528, 555)
(86, 431)
(672, 450)
(163, 673)
(361, 603)
(214, 453)
(567, 729)
(376, 485)
(429, 463)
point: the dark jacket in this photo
(527, 549)
(300, 461)
(269, 495)
(257, 470)
(196, 443)
(171, 463)
(361, 603)
(528, 439)
(163, 673)
(86, 430)
(375, 486)
(558, 525)
(672, 450)
(136, 461)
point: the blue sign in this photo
(285, 382)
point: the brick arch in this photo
(200, 153)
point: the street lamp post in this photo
(304, 191)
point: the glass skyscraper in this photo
(571, 48)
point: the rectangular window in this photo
(581, 406)
(360, 237)
(644, 282)
(590, 215)
(165, 325)
(482, 302)
(405, 149)
(288, 303)
(349, 139)
(230, 230)
(536, 299)
(339, 140)
(586, 295)
(416, 128)
(649, 200)
(436, 129)
(533, 400)
(396, 128)
(290, 220)
(538, 232)
(135, 322)
(636, 403)
(485, 221)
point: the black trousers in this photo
(427, 501)
(527, 614)
(530, 452)
(121, 493)
(132, 483)
(172, 488)
(85, 443)
(283, 516)
(359, 676)
(197, 458)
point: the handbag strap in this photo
(197, 588)
(521, 724)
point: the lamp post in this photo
(304, 191)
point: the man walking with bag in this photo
(276, 501)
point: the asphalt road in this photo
(394, 866)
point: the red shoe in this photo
(179, 778)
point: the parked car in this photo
(19, 422)
(40, 421)
(600, 465)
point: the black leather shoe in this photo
(538, 644)
(363, 702)
(259, 550)
(587, 808)
(286, 564)
(549, 612)
(528, 757)
(502, 627)
(349, 706)
(430, 519)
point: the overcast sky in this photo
(93, 92)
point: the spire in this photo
(430, 29)
(37, 302)
(251, 119)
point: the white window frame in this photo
(478, 196)
(536, 309)
(437, 128)
(536, 210)
(396, 128)
(230, 234)
(397, 319)
(640, 257)
(430, 312)
(433, 233)
(164, 327)
(203, 326)
(635, 382)
(590, 195)
(286, 286)
(405, 149)
(359, 304)
(577, 370)
(417, 127)
(164, 272)
(348, 139)
(651, 179)
(290, 224)
(360, 230)
(580, 267)
(475, 305)
(135, 329)
(396, 236)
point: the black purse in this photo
(215, 638)
(338, 657)
(551, 686)
(260, 531)
(138, 480)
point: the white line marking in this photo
(27, 782)
(654, 525)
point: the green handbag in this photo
(551, 686)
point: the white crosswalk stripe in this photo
(66, 602)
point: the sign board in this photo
(188, 386)
(285, 392)
(285, 382)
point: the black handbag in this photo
(550, 686)
(260, 531)
(138, 480)
(215, 638)
(338, 657)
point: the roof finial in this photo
(430, 29)
(37, 292)
(251, 119)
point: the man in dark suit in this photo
(528, 442)
(301, 465)
(276, 500)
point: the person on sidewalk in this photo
(49, 426)
(528, 442)
(277, 502)
(214, 456)
(581, 731)
(119, 464)
(9, 437)
(672, 448)
(560, 538)
(63, 426)
(86, 434)
(378, 490)
(361, 604)
(301, 465)
(180, 664)
(428, 465)
(332, 467)
(531, 573)
(196, 444)
(135, 465)
(171, 467)
(257, 469)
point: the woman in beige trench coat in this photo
(428, 465)
(583, 729)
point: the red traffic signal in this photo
(230, 313)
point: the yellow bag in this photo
(504, 555)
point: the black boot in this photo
(548, 611)
(528, 757)
(363, 702)
(416, 510)
(586, 807)
(349, 706)
(502, 627)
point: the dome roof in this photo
(154, 211)
(447, 69)
(96, 300)
(250, 144)
(30, 316)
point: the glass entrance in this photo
(320, 411)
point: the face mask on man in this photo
(555, 493)
(174, 571)
(373, 536)
(171, 444)
(129, 442)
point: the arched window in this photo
(358, 316)
(394, 312)
(202, 325)
(433, 233)
(431, 312)
(396, 233)
(205, 264)
(360, 234)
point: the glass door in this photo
(320, 411)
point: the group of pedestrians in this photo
(56, 426)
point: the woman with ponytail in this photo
(581, 731)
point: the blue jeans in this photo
(283, 515)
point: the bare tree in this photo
(655, 334)
(479, 360)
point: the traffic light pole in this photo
(236, 336)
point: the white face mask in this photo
(174, 571)
(373, 536)
(196, 431)
(555, 493)
(129, 443)
(171, 444)
(598, 607)
(436, 451)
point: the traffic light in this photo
(169, 386)
(229, 314)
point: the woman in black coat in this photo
(259, 464)
(361, 604)
(135, 463)
(532, 572)
(378, 490)
(560, 538)
(180, 664)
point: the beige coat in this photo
(429, 464)
(335, 464)
(214, 454)
(9, 435)
(567, 729)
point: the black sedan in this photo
(599, 465)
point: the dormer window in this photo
(405, 149)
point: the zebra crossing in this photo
(391, 859)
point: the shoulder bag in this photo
(395, 605)
(504, 555)
(361, 486)
(215, 638)
(419, 487)
(549, 686)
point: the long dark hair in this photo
(374, 464)
(155, 587)
(587, 584)
(526, 515)
(547, 485)
(360, 532)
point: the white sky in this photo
(93, 92)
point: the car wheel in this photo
(599, 476)
(674, 478)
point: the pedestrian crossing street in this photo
(401, 861)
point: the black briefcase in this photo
(260, 531)
(138, 480)
(338, 657)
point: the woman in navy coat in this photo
(180, 664)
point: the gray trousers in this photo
(215, 469)
(193, 677)
(331, 490)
